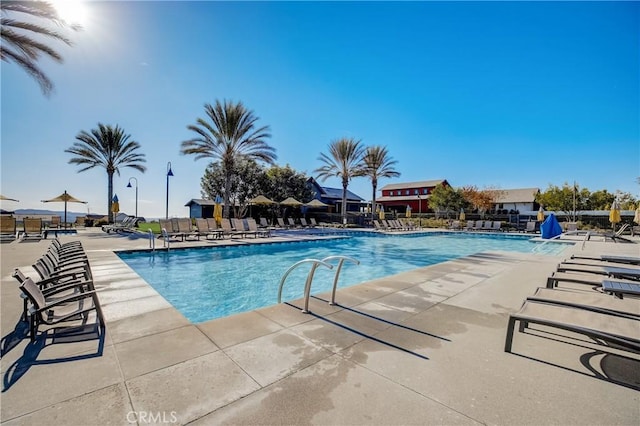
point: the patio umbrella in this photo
(217, 209)
(261, 199)
(636, 217)
(115, 204)
(66, 198)
(2, 197)
(381, 212)
(291, 202)
(315, 203)
(408, 212)
(614, 214)
(462, 215)
(541, 214)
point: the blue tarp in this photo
(550, 227)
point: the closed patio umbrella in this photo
(408, 212)
(636, 217)
(541, 214)
(115, 204)
(462, 215)
(66, 198)
(217, 210)
(614, 214)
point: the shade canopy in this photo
(261, 199)
(2, 197)
(315, 203)
(64, 198)
(292, 202)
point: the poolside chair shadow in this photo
(614, 368)
(62, 335)
(14, 337)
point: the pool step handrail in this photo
(587, 235)
(337, 275)
(152, 240)
(165, 238)
(307, 285)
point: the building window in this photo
(407, 192)
(425, 191)
(416, 192)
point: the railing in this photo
(307, 285)
(338, 269)
(152, 240)
(587, 235)
(166, 239)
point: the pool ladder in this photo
(307, 286)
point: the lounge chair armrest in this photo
(77, 275)
(73, 298)
(82, 285)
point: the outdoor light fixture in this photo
(129, 186)
(169, 174)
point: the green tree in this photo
(599, 200)
(626, 199)
(283, 182)
(568, 199)
(344, 161)
(447, 199)
(23, 40)
(247, 182)
(378, 164)
(229, 136)
(107, 147)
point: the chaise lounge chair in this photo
(629, 273)
(32, 229)
(630, 260)
(603, 328)
(591, 300)
(73, 308)
(7, 228)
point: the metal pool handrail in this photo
(335, 278)
(307, 285)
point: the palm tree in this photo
(230, 136)
(107, 147)
(378, 164)
(22, 40)
(344, 161)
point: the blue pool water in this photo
(208, 283)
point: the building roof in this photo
(411, 185)
(521, 195)
(336, 193)
(200, 202)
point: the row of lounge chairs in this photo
(209, 229)
(478, 225)
(595, 296)
(64, 293)
(393, 225)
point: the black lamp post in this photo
(169, 174)
(129, 186)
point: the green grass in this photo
(154, 226)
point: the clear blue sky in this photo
(503, 94)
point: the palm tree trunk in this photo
(227, 190)
(373, 200)
(110, 196)
(344, 201)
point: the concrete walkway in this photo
(421, 347)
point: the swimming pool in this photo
(213, 282)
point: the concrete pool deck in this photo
(421, 347)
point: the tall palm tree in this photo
(344, 161)
(229, 136)
(106, 147)
(22, 40)
(378, 164)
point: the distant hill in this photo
(71, 216)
